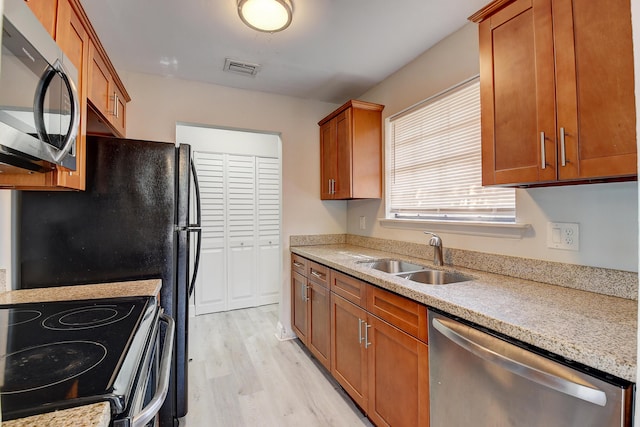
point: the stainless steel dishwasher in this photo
(478, 378)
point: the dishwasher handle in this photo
(460, 335)
(148, 412)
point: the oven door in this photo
(153, 380)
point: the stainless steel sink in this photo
(436, 277)
(393, 266)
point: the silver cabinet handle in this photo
(297, 264)
(152, 408)
(366, 335)
(318, 275)
(563, 155)
(463, 336)
(115, 105)
(543, 151)
(360, 322)
(303, 290)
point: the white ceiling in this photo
(334, 50)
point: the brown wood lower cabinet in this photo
(348, 353)
(299, 306)
(377, 341)
(319, 339)
(310, 305)
(398, 376)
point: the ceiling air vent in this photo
(240, 67)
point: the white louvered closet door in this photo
(241, 226)
(211, 282)
(268, 198)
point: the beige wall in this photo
(607, 213)
(158, 103)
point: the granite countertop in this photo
(79, 292)
(97, 414)
(596, 330)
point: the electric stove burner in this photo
(19, 317)
(86, 317)
(69, 353)
(48, 364)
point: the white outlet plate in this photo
(563, 235)
(363, 223)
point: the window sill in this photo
(508, 230)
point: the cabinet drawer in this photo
(318, 273)
(299, 264)
(349, 288)
(403, 313)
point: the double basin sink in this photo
(415, 272)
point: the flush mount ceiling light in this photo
(269, 16)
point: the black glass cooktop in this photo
(64, 353)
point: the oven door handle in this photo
(152, 408)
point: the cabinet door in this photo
(595, 88)
(398, 377)
(299, 305)
(99, 82)
(348, 353)
(119, 110)
(319, 338)
(518, 94)
(342, 187)
(45, 11)
(73, 39)
(328, 162)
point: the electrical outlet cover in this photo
(563, 235)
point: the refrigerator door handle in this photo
(195, 228)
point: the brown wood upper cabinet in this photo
(68, 24)
(45, 11)
(557, 91)
(351, 152)
(105, 96)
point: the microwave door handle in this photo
(196, 228)
(38, 103)
(38, 108)
(72, 132)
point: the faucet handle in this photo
(435, 239)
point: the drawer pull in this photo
(297, 264)
(318, 275)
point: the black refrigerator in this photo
(132, 222)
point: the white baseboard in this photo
(283, 334)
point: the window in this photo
(434, 168)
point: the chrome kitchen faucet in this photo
(436, 242)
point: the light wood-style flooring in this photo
(240, 374)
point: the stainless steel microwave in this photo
(39, 110)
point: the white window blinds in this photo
(434, 167)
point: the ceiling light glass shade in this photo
(266, 15)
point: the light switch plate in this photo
(563, 235)
(363, 223)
